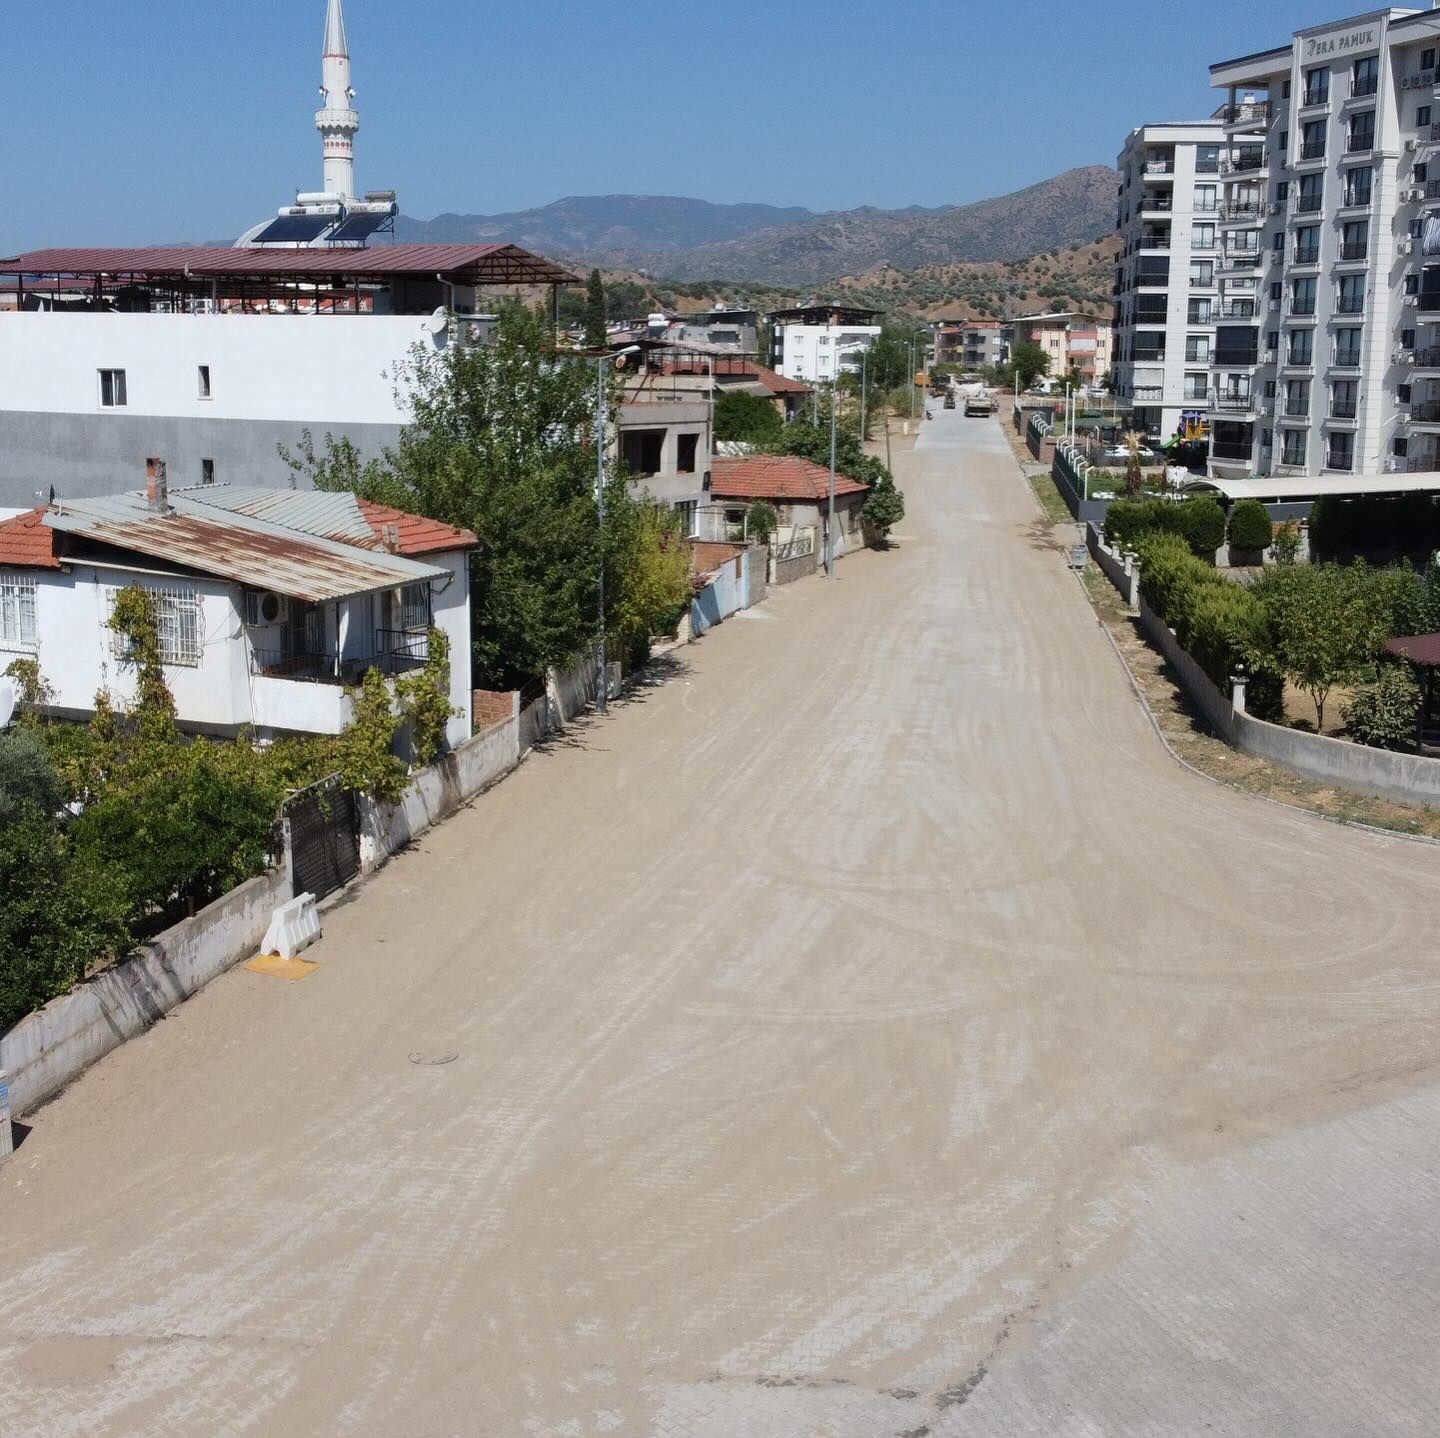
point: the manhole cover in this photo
(445, 1056)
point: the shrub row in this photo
(1221, 625)
(1199, 522)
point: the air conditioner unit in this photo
(264, 606)
(1412, 143)
(1403, 356)
(1409, 197)
(1404, 245)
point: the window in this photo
(1354, 240)
(1357, 185)
(1362, 132)
(687, 510)
(1269, 389)
(1284, 89)
(414, 608)
(1204, 198)
(1196, 385)
(1267, 438)
(1297, 397)
(1275, 289)
(1198, 312)
(1312, 140)
(17, 610)
(207, 471)
(1400, 446)
(1407, 339)
(1197, 349)
(1207, 159)
(1272, 340)
(1202, 237)
(112, 388)
(1293, 447)
(1422, 114)
(1284, 139)
(1412, 284)
(1343, 398)
(1341, 451)
(1427, 58)
(1282, 190)
(1317, 86)
(1311, 189)
(685, 453)
(640, 449)
(1277, 241)
(1347, 347)
(1302, 347)
(1402, 393)
(1351, 297)
(1422, 170)
(1307, 245)
(177, 625)
(204, 378)
(1202, 274)
(1365, 76)
(1302, 297)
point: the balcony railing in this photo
(1241, 114)
(1347, 359)
(1313, 150)
(1308, 204)
(1242, 164)
(1151, 317)
(1429, 300)
(1207, 167)
(1422, 463)
(1225, 359)
(1158, 167)
(1242, 210)
(1360, 144)
(396, 652)
(1342, 409)
(1154, 242)
(1350, 305)
(1355, 200)
(1195, 398)
(1355, 250)
(1427, 357)
(1228, 449)
(1339, 460)
(1202, 282)
(1148, 357)
(1296, 410)
(1237, 310)
(1147, 392)
(1426, 411)
(1309, 255)
(1224, 400)
(1312, 98)
(1299, 361)
(1296, 306)
(1360, 88)
(1155, 202)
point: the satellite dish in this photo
(9, 696)
(439, 321)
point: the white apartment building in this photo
(1326, 357)
(815, 342)
(213, 357)
(1166, 272)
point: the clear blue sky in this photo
(166, 120)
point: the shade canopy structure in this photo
(1422, 650)
(1288, 490)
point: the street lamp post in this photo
(830, 506)
(602, 421)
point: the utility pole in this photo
(862, 397)
(830, 510)
(602, 679)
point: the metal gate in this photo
(324, 837)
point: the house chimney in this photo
(157, 492)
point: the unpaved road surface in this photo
(869, 1031)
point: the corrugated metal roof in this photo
(310, 511)
(238, 547)
(464, 264)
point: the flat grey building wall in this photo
(86, 455)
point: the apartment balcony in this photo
(1346, 359)
(1236, 310)
(1243, 164)
(1350, 305)
(1229, 449)
(1427, 357)
(1154, 242)
(1354, 250)
(1311, 106)
(1308, 255)
(1312, 150)
(1207, 167)
(1256, 112)
(1148, 357)
(1308, 204)
(1360, 144)
(1152, 317)
(1363, 89)
(1300, 309)
(1159, 167)
(1343, 409)
(1425, 411)
(1428, 301)
(1147, 393)
(1241, 212)
(1228, 402)
(1155, 204)
(1234, 359)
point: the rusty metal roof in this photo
(461, 264)
(1420, 649)
(237, 547)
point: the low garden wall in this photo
(48, 1049)
(1072, 491)
(1381, 773)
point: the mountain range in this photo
(689, 240)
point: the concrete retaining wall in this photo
(570, 690)
(1405, 778)
(1110, 563)
(56, 1044)
(436, 792)
(789, 570)
(758, 562)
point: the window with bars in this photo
(17, 610)
(177, 625)
(415, 608)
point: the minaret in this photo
(336, 120)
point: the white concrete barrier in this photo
(293, 927)
(7, 1142)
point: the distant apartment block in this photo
(971, 344)
(1168, 271)
(815, 342)
(1070, 339)
(1326, 352)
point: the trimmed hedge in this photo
(1250, 525)
(1200, 521)
(1221, 625)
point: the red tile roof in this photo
(785, 477)
(418, 535)
(28, 543)
(775, 382)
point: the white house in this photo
(271, 604)
(816, 342)
(213, 357)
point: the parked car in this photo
(949, 399)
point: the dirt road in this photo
(869, 1031)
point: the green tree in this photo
(595, 314)
(1384, 713)
(648, 577)
(28, 781)
(1326, 625)
(501, 443)
(761, 520)
(1250, 525)
(1028, 362)
(750, 418)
